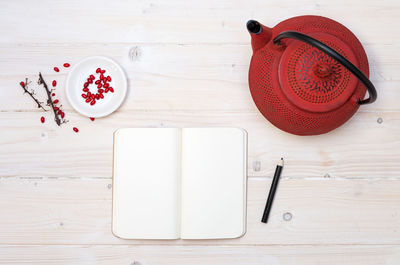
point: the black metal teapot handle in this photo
(335, 55)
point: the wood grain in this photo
(182, 21)
(187, 64)
(171, 76)
(362, 148)
(324, 211)
(196, 255)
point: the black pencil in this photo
(272, 191)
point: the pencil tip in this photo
(281, 162)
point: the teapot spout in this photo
(260, 34)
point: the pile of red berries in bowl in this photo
(102, 84)
(96, 86)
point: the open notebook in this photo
(171, 183)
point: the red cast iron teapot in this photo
(308, 75)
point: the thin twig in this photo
(31, 94)
(49, 100)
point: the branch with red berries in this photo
(57, 110)
(31, 93)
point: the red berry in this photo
(98, 70)
(101, 96)
(56, 69)
(109, 78)
(42, 119)
(88, 100)
(106, 91)
(97, 96)
(91, 76)
(91, 118)
(59, 112)
(86, 84)
(85, 89)
(97, 82)
(99, 85)
(101, 77)
(92, 96)
(54, 83)
(62, 115)
(106, 85)
(89, 94)
(55, 108)
(53, 94)
(111, 89)
(93, 102)
(22, 84)
(102, 71)
(84, 96)
(75, 129)
(100, 90)
(55, 101)
(66, 65)
(90, 81)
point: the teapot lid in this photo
(311, 79)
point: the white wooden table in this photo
(187, 65)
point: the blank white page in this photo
(213, 179)
(146, 183)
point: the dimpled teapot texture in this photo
(303, 89)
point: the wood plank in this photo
(323, 211)
(187, 65)
(170, 76)
(179, 22)
(362, 148)
(195, 255)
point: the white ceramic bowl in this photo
(78, 76)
